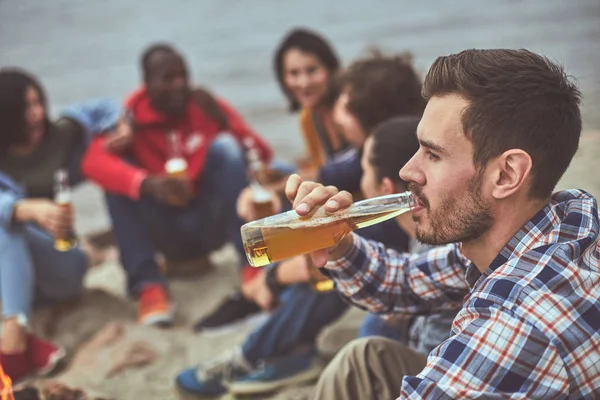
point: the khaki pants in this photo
(368, 368)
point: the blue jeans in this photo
(300, 317)
(143, 227)
(32, 269)
(374, 325)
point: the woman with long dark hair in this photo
(305, 65)
(32, 150)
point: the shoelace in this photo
(222, 367)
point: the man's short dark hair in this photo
(517, 100)
(153, 49)
(382, 87)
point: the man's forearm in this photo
(22, 211)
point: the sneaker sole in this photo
(254, 388)
(55, 360)
(251, 321)
(163, 320)
(183, 394)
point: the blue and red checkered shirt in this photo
(530, 325)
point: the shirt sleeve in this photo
(495, 354)
(95, 116)
(110, 171)
(385, 281)
(241, 130)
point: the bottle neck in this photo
(62, 189)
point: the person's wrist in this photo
(341, 248)
(23, 212)
(146, 188)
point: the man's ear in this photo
(510, 172)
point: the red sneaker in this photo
(154, 307)
(16, 366)
(45, 356)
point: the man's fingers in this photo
(291, 187)
(314, 197)
(340, 201)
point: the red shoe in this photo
(45, 356)
(154, 307)
(16, 366)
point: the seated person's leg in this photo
(224, 178)
(137, 251)
(369, 368)
(375, 325)
(28, 260)
(289, 335)
(58, 274)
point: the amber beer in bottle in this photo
(176, 165)
(287, 235)
(62, 197)
(262, 198)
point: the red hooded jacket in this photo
(149, 147)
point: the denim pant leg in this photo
(374, 325)
(301, 316)
(136, 248)
(223, 180)
(28, 262)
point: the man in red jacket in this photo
(152, 211)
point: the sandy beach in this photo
(85, 49)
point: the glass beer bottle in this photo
(62, 197)
(176, 165)
(287, 235)
(262, 199)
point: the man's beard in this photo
(456, 220)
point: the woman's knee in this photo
(68, 276)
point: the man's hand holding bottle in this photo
(307, 197)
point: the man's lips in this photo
(418, 207)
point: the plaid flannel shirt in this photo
(530, 325)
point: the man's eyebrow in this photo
(432, 146)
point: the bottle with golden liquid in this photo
(62, 197)
(262, 199)
(176, 165)
(287, 235)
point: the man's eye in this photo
(432, 156)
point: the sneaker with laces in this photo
(154, 306)
(292, 370)
(212, 378)
(45, 356)
(233, 312)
